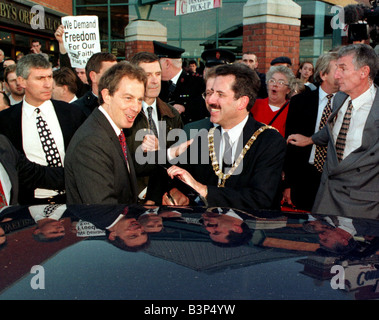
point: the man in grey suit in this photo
(98, 169)
(350, 180)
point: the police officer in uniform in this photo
(180, 89)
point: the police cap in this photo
(282, 59)
(214, 57)
(163, 50)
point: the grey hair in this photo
(364, 55)
(32, 60)
(323, 65)
(287, 72)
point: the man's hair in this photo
(32, 60)
(364, 55)
(94, 63)
(65, 76)
(323, 65)
(111, 78)
(8, 70)
(246, 83)
(144, 57)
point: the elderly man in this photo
(350, 178)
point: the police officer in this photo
(180, 89)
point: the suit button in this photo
(358, 170)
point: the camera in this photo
(363, 22)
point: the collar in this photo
(175, 78)
(235, 132)
(29, 110)
(145, 106)
(116, 129)
(365, 98)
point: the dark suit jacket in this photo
(302, 177)
(10, 125)
(257, 184)
(188, 93)
(20, 169)
(87, 103)
(95, 168)
(350, 187)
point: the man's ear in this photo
(244, 101)
(105, 95)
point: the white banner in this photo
(81, 38)
(192, 6)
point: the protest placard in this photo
(81, 38)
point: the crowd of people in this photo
(124, 132)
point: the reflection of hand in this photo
(179, 107)
(287, 196)
(175, 197)
(150, 143)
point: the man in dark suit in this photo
(15, 168)
(350, 177)
(180, 89)
(251, 60)
(39, 127)
(163, 116)
(95, 68)
(242, 180)
(99, 168)
(305, 112)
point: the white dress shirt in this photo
(361, 108)
(31, 141)
(154, 113)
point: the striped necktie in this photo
(152, 125)
(122, 139)
(320, 153)
(341, 138)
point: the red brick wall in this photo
(271, 40)
(132, 47)
(64, 6)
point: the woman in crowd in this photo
(305, 74)
(273, 109)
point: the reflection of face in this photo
(2, 236)
(126, 102)
(51, 229)
(151, 222)
(330, 237)
(277, 93)
(154, 73)
(131, 232)
(219, 226)
(38, 86)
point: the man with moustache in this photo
(99, 168)
(156, 118)
(307, 113)
(350, 177)
(219, 170)
(39, 127)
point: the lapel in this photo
(15, 118)
(64, 122)
(12, 174)
(104, 123)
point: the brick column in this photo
(139, 36)
(271, 28)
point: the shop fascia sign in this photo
(191, 6)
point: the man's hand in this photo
(59, 37)
(186, 177)
(178, 150)
(179, 107)
(150, 143)
(299, 140)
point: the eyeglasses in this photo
(279, 83)
(206, 94)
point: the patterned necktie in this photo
(341, 138)
(3, 200)
(227, 157)
(152, 125)
(171, 89)
(320, 153)
(122, 139)
(49, 146)
(50, 209)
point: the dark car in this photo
(166, 253)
